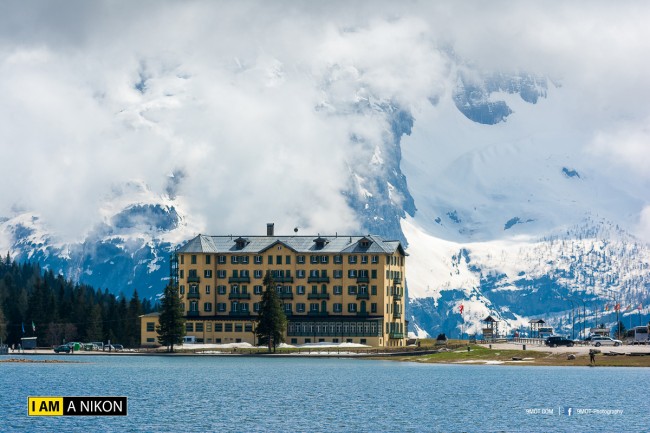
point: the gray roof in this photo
(299, 244)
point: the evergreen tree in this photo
(171, 328)
(3, 326)
(620, 330)
(271, 321)
(94, 325)
(132, 324)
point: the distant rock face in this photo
(570, 172)
(473, 97)
(146, 216)
(127, 252)
(380, 194)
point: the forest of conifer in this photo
(39, 303)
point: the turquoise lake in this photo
(248, 394)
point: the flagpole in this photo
(462, 323)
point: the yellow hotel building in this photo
(334, 288)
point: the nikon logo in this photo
(76, 406)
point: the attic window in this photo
(320, 242)
(364, 242)
(241, 242)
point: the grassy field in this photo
(483, 355)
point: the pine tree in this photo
(132, 325)
(620, 330)
(94, 324)
(171, 328)
(271, 322)
(3, 326)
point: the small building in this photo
(491, 328)
(535, 327)
(149, 336)
(28, 342)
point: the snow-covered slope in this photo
(516, 213)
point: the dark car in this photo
(556, 340)
(63, 348)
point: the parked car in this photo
(558, 340)
(63, 348)
(118, 347)
(598, 340)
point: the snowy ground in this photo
(230, 346)
(325, 348)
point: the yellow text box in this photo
(45, 406)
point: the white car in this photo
(604, 341)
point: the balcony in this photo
(318, 296)
(318, 279)
(397, 281)
(239, 296)
(363, 296)
(193, 295)
(362, 313)
(364, 279)
(283, 279)
(397, 296)
(285, 295)
(193, 279)
(239, 279)
(192, 314)
(397, 315)
(396, 335)
(318, 313)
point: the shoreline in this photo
(498, 354)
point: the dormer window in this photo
(365, 242)
(241, 242)
(320, 242)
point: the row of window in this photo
(314, 307)
(300, 290)
(218, 327)
(371, 328)
(293, 328)
(300, 273)
(279, 259)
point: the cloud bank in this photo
(252, 105)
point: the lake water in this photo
(241, 394)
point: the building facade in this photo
(334, 288)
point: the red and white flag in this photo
(462, 307)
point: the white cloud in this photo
(249, 99)
(643, 230)
(628, 145)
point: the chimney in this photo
(269, 229)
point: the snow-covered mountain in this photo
(502, 206)
(128, 250)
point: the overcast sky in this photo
(245, 101)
